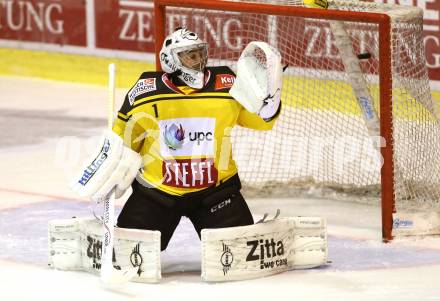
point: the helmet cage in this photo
(179, 46)
(193, 77)
(193, 57)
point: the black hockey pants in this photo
(215, 207)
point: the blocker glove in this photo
(113, 165)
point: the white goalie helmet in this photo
(184, 52)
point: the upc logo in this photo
(189, 137)
(200, 136)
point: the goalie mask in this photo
(183, 52)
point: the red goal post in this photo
(383, 22)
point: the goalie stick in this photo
(109, 275)
(353, 68)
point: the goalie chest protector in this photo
(186, 144)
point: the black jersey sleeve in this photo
(145, 86)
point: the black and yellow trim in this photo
(123, 117)
(162, 97)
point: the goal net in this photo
(357, 123)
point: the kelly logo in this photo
(223, 81)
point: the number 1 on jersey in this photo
(156, 114)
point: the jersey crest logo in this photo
(223, 81)
(144, 85)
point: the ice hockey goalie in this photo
(175, 126)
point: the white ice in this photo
(37, 119)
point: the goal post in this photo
(335, 110)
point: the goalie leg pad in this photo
(64, 245)
(76, 244)
(263, 249)
(310, 242)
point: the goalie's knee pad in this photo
(76, 244)
(263, 249)
(65, 244)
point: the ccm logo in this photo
(221, 205)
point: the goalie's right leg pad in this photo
(263, 249)
(76, 244)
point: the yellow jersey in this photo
(183, 134)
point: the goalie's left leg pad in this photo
(259, 250)
(76, 244)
